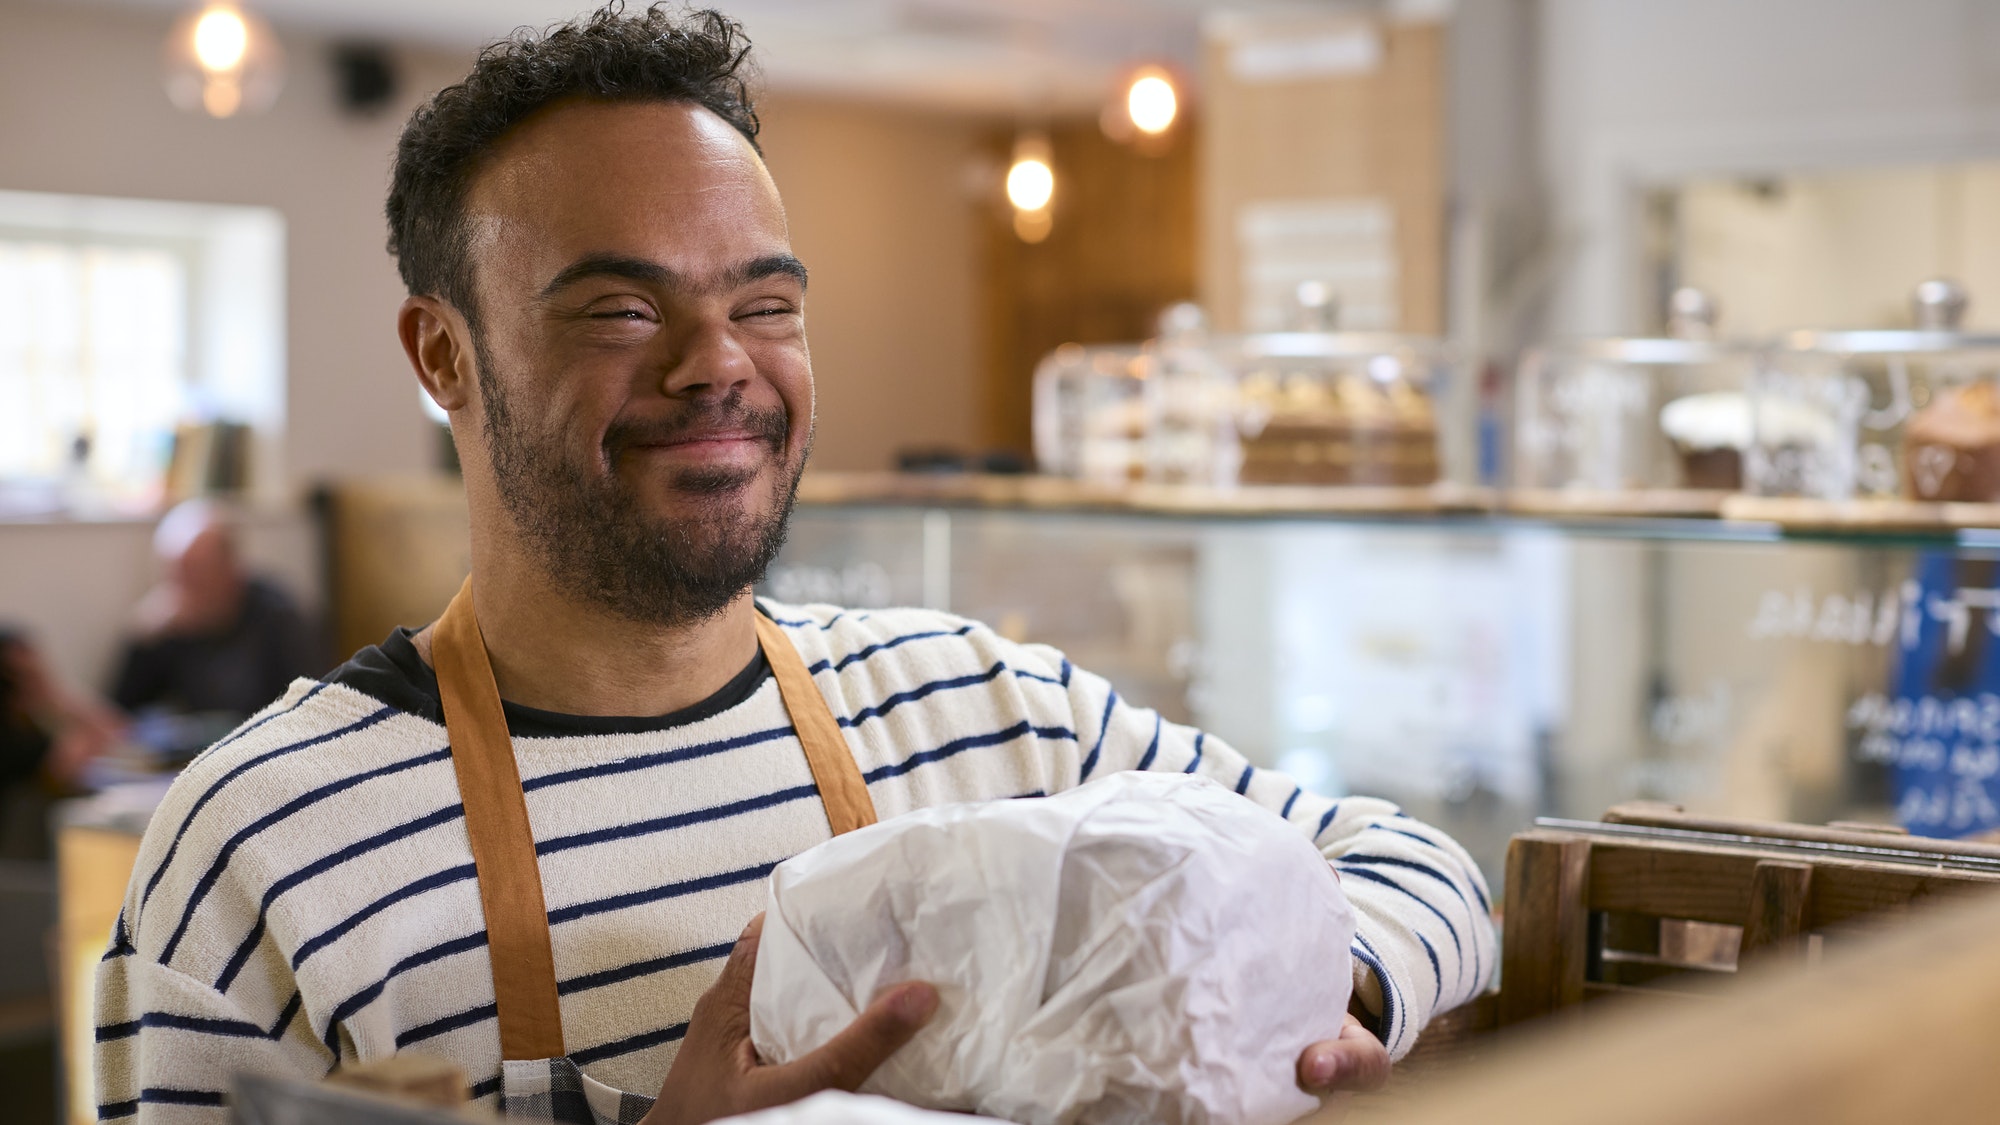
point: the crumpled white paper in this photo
(1144, 948)
(835, 1107)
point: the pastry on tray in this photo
(1711, 432)
(1354, 430)
(1951, 447)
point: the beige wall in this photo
(881, 217)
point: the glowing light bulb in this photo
(221, 59)
(1031, 183)
(221, 39)
(1152, 103)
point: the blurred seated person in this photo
(211, 644)
(48, 736)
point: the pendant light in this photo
(1031, 186)
(222, 60)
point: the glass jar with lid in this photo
(1908, 414)
(1160, 411)
(1636, 421)
(1339, 408)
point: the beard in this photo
(592, 532)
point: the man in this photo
(604, 299)
(209, 639)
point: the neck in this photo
(554, 653)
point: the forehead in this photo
(665, 181)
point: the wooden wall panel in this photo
(1380, 133)
(1123, 247)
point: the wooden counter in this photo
(972, 490)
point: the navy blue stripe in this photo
(1021, 729)
(304, 800)
(1103, 729)
(1023, 673)
(325, 863)
(1152, 748)
(340, 929)
(206, 1025)
(1478, 963)
(443, 1024)
(805, 623)
(603, 977)
(1413, 865)
(1243, 783)
(241, 767)
(171, 1095)
(921, 691)
(111, 1111)
(1286, 812)
(1199, 738)
(664, 757)
(1390, 1009)
(482, 1012)
(678, 820)
(1437, 972)
(865, 653)
(239, 732)
(1326, 820)
(1067, 668)
(628, 1045)
(366, 996)
(121, 939)
(1477, 891)
(1373, 877)
(655, 894)
(486, 1089)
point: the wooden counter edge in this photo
(1898, 1026)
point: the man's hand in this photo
(718, 1074)
(1353, 1063)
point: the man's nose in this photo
(709, 361)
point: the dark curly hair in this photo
(661, 55)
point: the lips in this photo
(705, 431)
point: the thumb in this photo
(845, 1061)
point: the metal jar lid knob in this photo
(1939, 305)
(1691, 314)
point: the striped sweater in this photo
(305, 896)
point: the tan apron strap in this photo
(503, 845)
(841, 788)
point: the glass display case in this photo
(1483, 670)
(1636, 423)
(1307, 407)
(1906, 414)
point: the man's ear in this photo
(439, 345)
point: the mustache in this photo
(771, 426)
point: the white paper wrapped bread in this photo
(1144, 948)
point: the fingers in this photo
(846, 1060)
(1356, 1061)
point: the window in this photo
(123, 324)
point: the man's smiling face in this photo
(644, 391)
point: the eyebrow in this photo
(649, 272)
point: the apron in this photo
(538, 1080)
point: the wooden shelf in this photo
(1565, 503)
(1860, 516)
(1061, 494)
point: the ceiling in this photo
(1004, 56)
